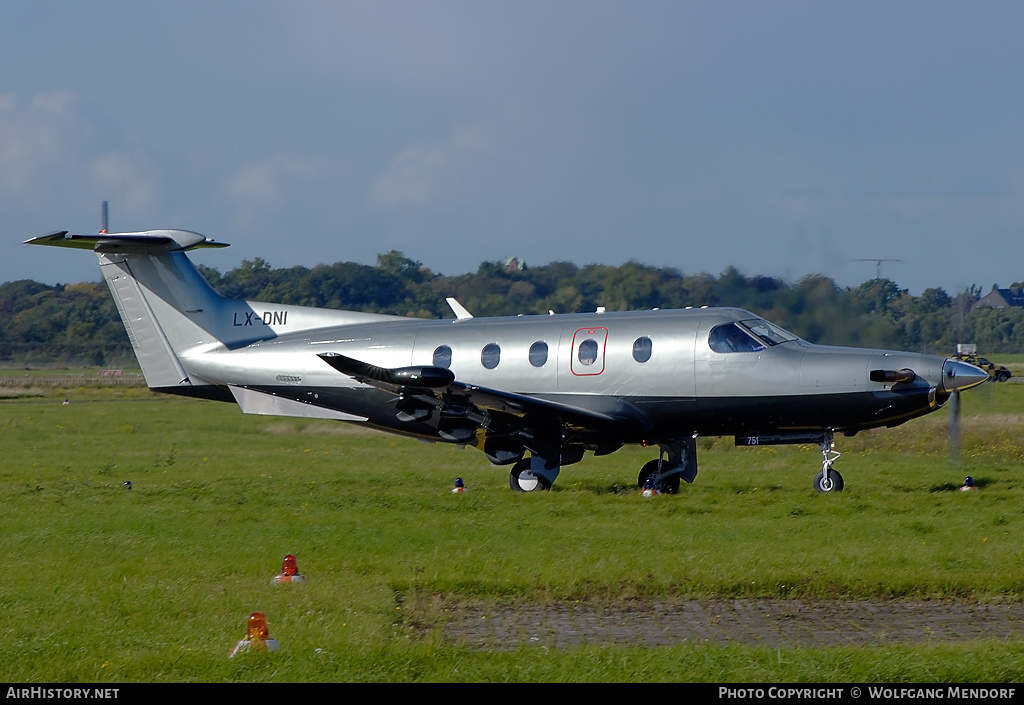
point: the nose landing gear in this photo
(828, 480)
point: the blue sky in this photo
(784, 138)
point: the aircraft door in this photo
(588, 349)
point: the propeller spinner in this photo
(958, 375)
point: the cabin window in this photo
(490, 356)
(642, 349)
(539, 353)
(588, 352)
(730, 338)
(443, 357)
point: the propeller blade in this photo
(954, 428)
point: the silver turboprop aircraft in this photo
(551, 386)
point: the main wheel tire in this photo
(1002, 376)
(831, 483)
(669, 486)
(520, 479)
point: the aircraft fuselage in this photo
(680, 385)
(554, 386)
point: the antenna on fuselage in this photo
(458, 309)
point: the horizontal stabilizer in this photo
(151, 241)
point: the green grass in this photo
(98, 583)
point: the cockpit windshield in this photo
(752, 335)
(770, 333)
(732, 337)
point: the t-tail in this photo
(170, 311)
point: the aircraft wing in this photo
(495, 400)
(437, 387)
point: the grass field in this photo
(102, 584)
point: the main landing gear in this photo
(520, 479)
(676, 461)
(533, 474)
(828, 480)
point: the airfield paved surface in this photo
(769, 623)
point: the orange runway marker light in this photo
(289, 572)
(257, 636)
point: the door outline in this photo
(598, 335)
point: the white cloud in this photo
(259, 186)
(36, 141)
(129, 178)
(53, 148)
(431, 174)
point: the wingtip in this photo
(47, 238)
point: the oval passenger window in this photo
(539, 353)
(642, 349)
(443, 357)
(588, 352)
(490, 356)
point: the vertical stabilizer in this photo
(171, 313)
(157, 291)
(159, 364)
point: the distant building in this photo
(515, 264)
(1001, 298)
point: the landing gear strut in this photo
(828, 480)
(676, 461)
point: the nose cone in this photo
(957, 375)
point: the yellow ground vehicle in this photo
(997, 373)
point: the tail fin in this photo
(170, 310)
(159, 293)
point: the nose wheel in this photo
(828, 480)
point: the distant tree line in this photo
(77, 324)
